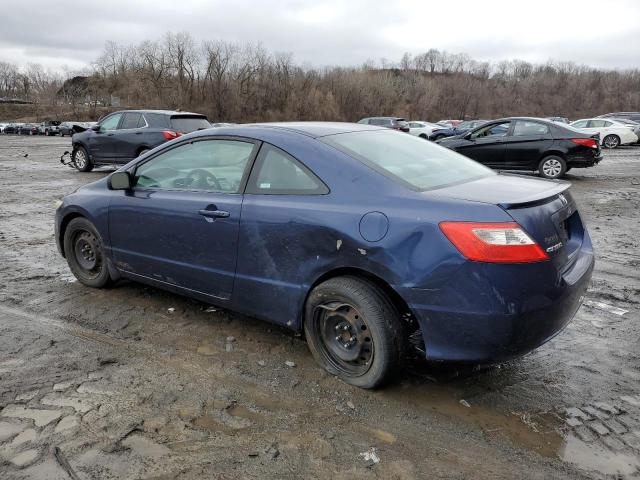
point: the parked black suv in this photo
(395, 123)
(531, 144)
(122, 136)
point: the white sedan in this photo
(422, 129)
(612, 133)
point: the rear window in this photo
(189, 124)
(408, 159)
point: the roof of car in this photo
(538, 119)
(314, 129)
(161, 112)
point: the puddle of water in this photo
(243, 412)
(537, 432)
(207, 422)
(594, 457)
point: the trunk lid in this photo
(545, 209)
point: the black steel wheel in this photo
(85, 254)
(354, 331)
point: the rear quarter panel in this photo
(288, 242)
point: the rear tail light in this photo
(585, 142)
(170, 134)
(493, 242)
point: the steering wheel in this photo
(204, 179)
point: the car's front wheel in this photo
(81, 160)
(611, 141)
(84, 250)
(354, 331)
(552, 167)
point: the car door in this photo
(128, 138)
(178, 225)
(486, 144)
(102, 142)
(282, 202)
(526, 143)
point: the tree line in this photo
(246, 83)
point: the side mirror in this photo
(95, 128)
(467, 136)
(120, 181)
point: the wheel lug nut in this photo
(345, 328)
(352, 339)
(338, 338)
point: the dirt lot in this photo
(133, 382)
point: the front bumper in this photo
(489, 313)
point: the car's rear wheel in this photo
(84, 250)
(354, 331)
(552, 167)
(424, 135)
(143, 151)
(81, 160)
(611, 141)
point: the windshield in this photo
(419, 164)
(189, 124)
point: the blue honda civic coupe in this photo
(374, 243)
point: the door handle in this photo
(214, 213)
(138, 133)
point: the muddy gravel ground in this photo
(133, 382)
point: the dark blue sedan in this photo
(372, 242)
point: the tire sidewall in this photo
(88, 165)
(563, 167)
(386, 352)
(76, 226)
(611, 136)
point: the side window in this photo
(142, 122)
(597, 123)
(278, 173)
(206, 165)
(130, 120)
(524, 127)
(376, 121)
(111, 122)
(580, 124)
(415, 125)
(493, 130)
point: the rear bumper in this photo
(584, 161)
(491, 313)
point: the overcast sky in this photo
(331, 32)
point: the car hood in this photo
(504, 190)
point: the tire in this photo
(438, 137)
(143, 151)
(84, 250)
(611, 141)
(354, 331)
(81, 160)
(552, 167)
(424, 135)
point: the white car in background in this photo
(422, 129)
(612, 133)
(2, 125)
